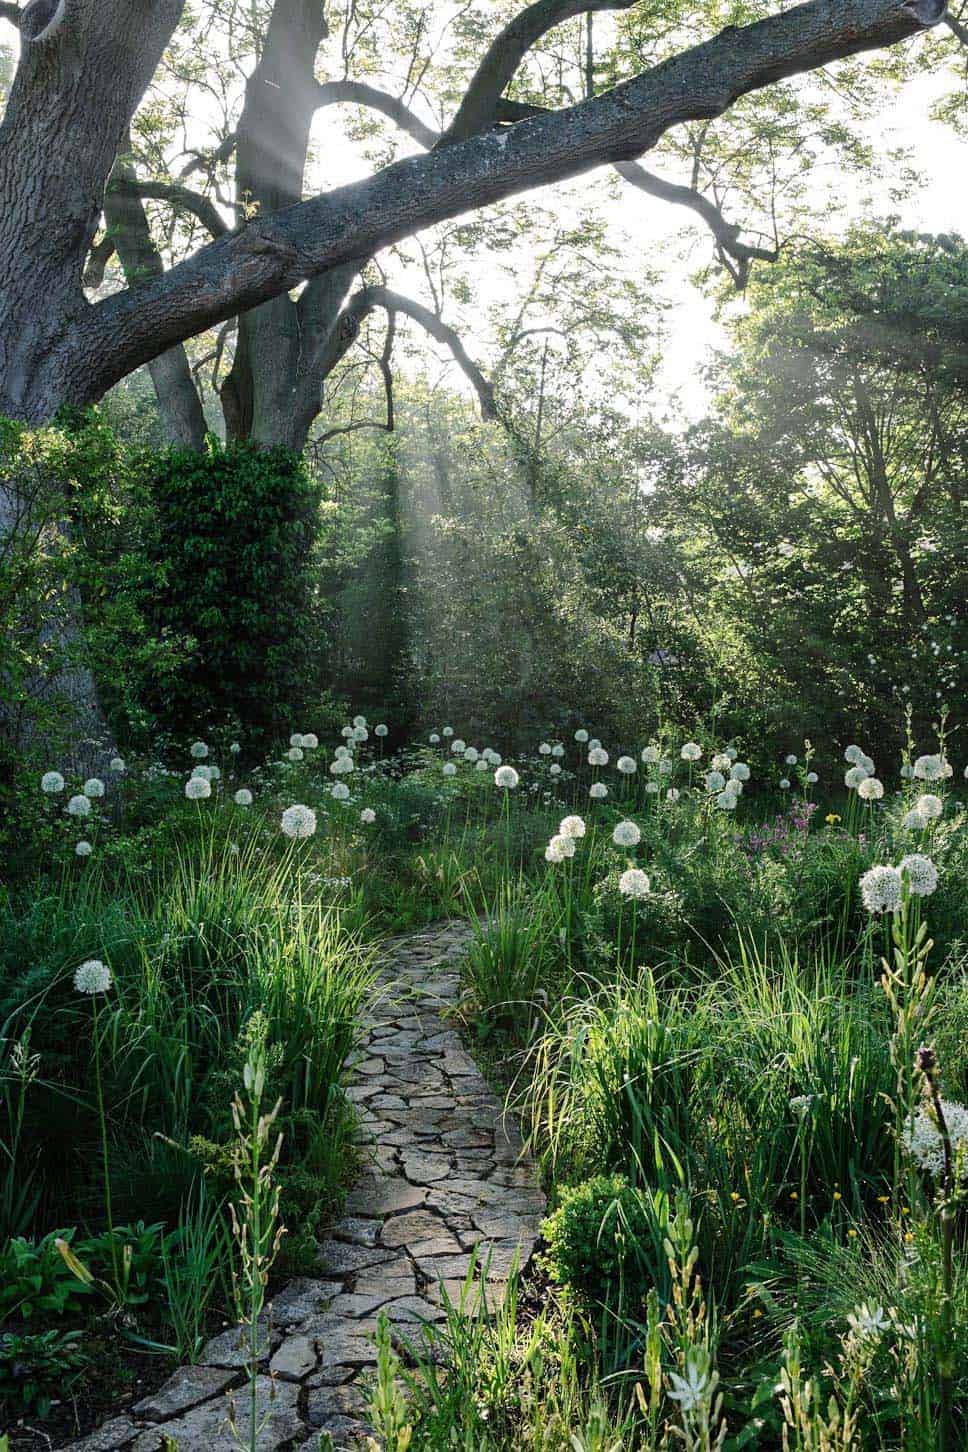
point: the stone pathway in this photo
(446, 1179)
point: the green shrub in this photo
(35, 1365)
(605, 1242)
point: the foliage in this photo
(605, 1243)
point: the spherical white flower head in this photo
(867, 762)
(340, 791)
(198, 750)
(726, 800)
(450, 769)
(458, 747)
(117, 764)
(563, 845)
(243, 797)
(791, 760)
(544, 749)
(482, 765)
(341, 751)
(298, 821)
(359, 722)
(448, 730)
(235, 748)
(880, 890)
(552, 854)
(94, 787)
(854, 755)
(929, 806)
(665, 766)
(784, 783)
(598, 791)
(343, 765)
(347, 732)
(672, 795)
(83, 849)
(367, 816)
(52, 782)
(360, 734)
(381, 730)
(854, 776)
(922, 1138)
(572, 827)
(626, 834)
(626, 765)
(295, 753)
(296, 739)
(921, 874)
(634, 883)
(721, 762)
(653, 788)
(472, 754)
(715, 781)
(929, 768)
(310, 741)
(495, 758)
(558, 750)
(598, 756)
(812, 778)
(692, 751)
(870, 789)
(434, 738)
(594, 744)
(581, 736)
(913, 821)
(739, 771)
(92, 977)
(554, 769)
(505, 776)
(79, 807)
(731, 752)
(197, 788)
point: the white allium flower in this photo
(598, 791)
(598, 756)
(581, 736)
(921, 874)
(52, 782)
(721, 761)
(573, 826)
(482, 765)
(199, 750)
(83, 849)
(784, 783)
(731, 752)
(92, 977)
(310, 741)
(544, 749)
(554, 769)
(295, 753)
(346, 732)
(922, 1139)
(78, 807)
(506, 776)
(929, 806)
(360, 734)
(650, 755)
(296, 739)
(381, 730)
(343, 750)
(913, 821)
(197, 788)
(594, 744)
(854, 776)
(448, 730)
(880, 890)
(634, 883)
(243, 797)
(117, 764)
(726, 800)
(626, 765)
(854, 755)
(559, 848)
(434, 738)
(367, 816)
(870, 789)
(558, 749)
(299, 821)
(94, 787)
(450, 768)
(672, 795)
(208, 773)
(340, 791)
(739, 771)
(235, 748)
(930, 768)
(868, 1322)
(791, 760)
(715, 781)
(653, 788)
(812, 778)
(458, 747)
(472, 754)
(359, 723)
(626, 834)
(692, 751)
(342, 766)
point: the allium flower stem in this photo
(103, 1125)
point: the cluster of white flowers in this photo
(434, 738)
(626, 834)
(197, 788)
(870, 789)
(450, 768)
(650, 755)
(92, 977)
(94, 787)
(83, 848)
(597, 756)
(506, 777)
(298, 821)
(922, 1138)
(79, 806)
(921, 874)
(598, 791)
(117, 765)
(692, 751)
(634, 883)
(626, 765)
(243, 797)
(52, 782)
(560, 847)
(931, 768)
(309, 742)
(868, 1323)
(739, 771)
(800, 1103)
(207, 773)
(715, 781)
(340, 791)
(880, 889)
(727, 799)
(581, 736)
(367, 816)
(573, 826)
(198, 750)
(295, 753)
(381, 730)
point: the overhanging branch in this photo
(357, 93)
(181, 198)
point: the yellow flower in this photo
(831, 819)
(852, 1233)
(883, 1199)
(757, 1314)
(837, 1195)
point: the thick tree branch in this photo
(357, 93)
(181, 198)
(477, 111)
(97, 260)
(957, 28)
(275, 253)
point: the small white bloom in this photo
(458, 747)
(784, 783)
(598, 756)
(672, 795)
(450, 768)
(235, 748)
(295, 753)
(922, 1139)
(117, 764)
(310, 741)
(626, 765)
(598, 791)
(94, 787)
(907, 771)
(360, 733)
(854, 776)
(721, 762)
(572, 826)
(880, 889)
(381, 730)
(581, 736)
(296, 739)
(692, 751)
(83, 849)
(558, 750)
(243, 797)
(92, 977)
(653, 788)
(506, 776)
(359, 723)
(913, 821)
(299, 821)
(483, 765)
(197, 788)
(434, 738)
(471, 754)
(929, 807)
(367, 816)
(448, 730)
(870, 789)
(346, 732)
(626, 834)
(854, 755)
(868, 1322)
(791, 761)
(726, 800)
(199, 750)
(52, 782)
(544, 749)
(79, 807)
(340, 791)
(650, 755)
(715, 781)
(634, 883)
(800, 1103)
(559, 848)
(812, 778)
(554, 769)
(930, 768)
(739, 771)
(921, 874)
